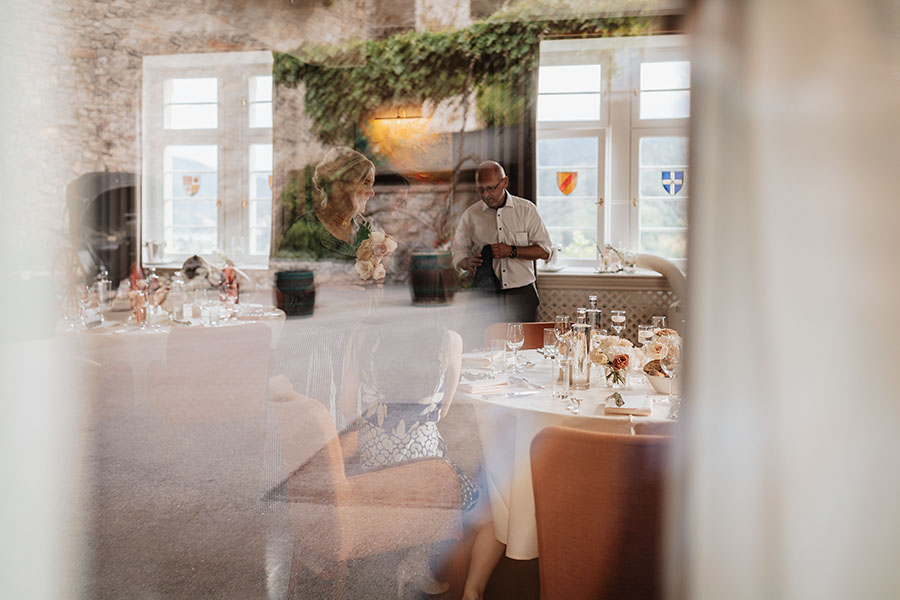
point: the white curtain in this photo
(789, 480)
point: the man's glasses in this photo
(487, 188)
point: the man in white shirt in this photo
(515, 237)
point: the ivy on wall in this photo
(497, 57)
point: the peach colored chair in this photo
(534, 333)
(336, 517)
(599, 503)
(213, 374)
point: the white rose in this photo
(391, 245)
(378, 272)
(377, 237)
(365, 269)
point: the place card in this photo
(639, 405)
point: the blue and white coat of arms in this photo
(672, 181)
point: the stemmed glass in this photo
(658, 322)
(618, 321)
(83, 296)
(670, 361)
(515, 339)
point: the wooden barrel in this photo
(432, 278)
(295, 292)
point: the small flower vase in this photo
(616, 378)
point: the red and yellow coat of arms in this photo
(566, 181)
(191, 184)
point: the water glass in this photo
(658, 322)
(618, 321)
(561, 373)
(498, 357)
(645, 334)
(549, 342)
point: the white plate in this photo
(550, 269)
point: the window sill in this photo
(587, 278)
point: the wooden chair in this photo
(336, 517)
(599, 504)
(534, 333)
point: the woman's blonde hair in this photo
(343, 165)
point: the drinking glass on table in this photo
(498, 357)
(561, 367)
(670, 362)
(658, 322)
(549, 342)
(562, 325)
(645, 334)
(515, 339)
(618, 321)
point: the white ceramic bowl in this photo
(661, 384)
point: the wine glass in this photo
(670, 362)
(658, 322)
(618, 321)
(515, 339)
(645, 334)
(562, 325)
(83, 296)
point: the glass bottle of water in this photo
(593, 313)
(181, 309)
(581, 351)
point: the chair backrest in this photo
(673, 274)
(312, 459)
(215, 374)
(598, 503)
(534, 333)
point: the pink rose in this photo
(620, 362)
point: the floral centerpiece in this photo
(614, 354)
(655, 346)
(373, 253)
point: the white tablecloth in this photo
(508, 425)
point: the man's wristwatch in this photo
(514, 252)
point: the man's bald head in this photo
(490, 183)
(489, 170)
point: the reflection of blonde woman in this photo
(334, 228)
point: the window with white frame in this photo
(612, 145)
(207, 156)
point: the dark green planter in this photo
(432, 278)
(295, 292)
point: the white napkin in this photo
(639, 405)
(487, 386)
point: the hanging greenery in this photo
(496, 57)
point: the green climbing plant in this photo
(496, 57)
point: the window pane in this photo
(665, 105)
(665, 243)
(569, 107)
(259, 241)
(259, 186)
(261, 114)
(569, 78)
(191, 212)
(261, 88)
(260, 213)
(568, 212)
(191, 116)
(664, 213)
(570, 152)
(191, 90)
(672, 75)
(671, 151)
(191, 158)
(577, 243)
(191, 185)
(663, 182)
(260, 157)
(552, 182)
(191, 240)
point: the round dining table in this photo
(509, 419)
